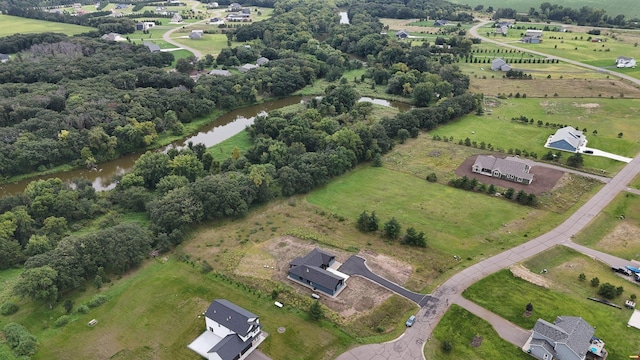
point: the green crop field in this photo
(10, 25)
(507, 296)
(459, 327)
(609, 117)
(608, 233)
(628, 8)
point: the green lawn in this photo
(472, 229)
(507, 296)
(608, 233)
(154, 313)
(608, 117)
(208, 44)
(224, 150)
(14, 25)
(459, 327)
(627, 7)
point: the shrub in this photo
(97, 301)
(595, 282)
(8, 308)
(432, 177)
(582, 277)
(447, 346)
(62, 321)
(82, 309)
(21, 341)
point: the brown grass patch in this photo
(387, 267)
(360, 296)
(565, 88)
(620, 238)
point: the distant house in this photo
(440, 22)
(77, 5)
(232, 332)
(176, 19)
(261, 61)
(216, 20)
(246, 11)
(216, 72)
(239, 17)
(246, 68)
(532, 36)
(121, 6)
(511, 170)
(151, 46)
(499, 64)
(566, 139)
(503, 23)
(625, 62)
(196, 34)
(402, 34)
(4, 58)
(111, 37)
(212, 5)
(568, 338)
(235, 7)
(503, 30)
(312, 270)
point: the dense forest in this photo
(84, 100)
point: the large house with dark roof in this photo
(232, 332)
(312, 271)
(511, 170)
(568, 338)
(566, 139)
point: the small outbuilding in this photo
(440, 22)
(217, 72)
(262, 61)
(499, 64)
(402, 34)
(4, 58)
(151, 46)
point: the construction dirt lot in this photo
(360, 295)
(544, 179)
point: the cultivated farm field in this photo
(10, 25)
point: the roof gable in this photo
(316, 275)
(571, 331)
(232, 316)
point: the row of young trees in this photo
(391, 230)
(472, 184)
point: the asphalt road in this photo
(410, 345)
(355, 265)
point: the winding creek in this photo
(224, 127)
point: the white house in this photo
(625, 62)
(232, 332)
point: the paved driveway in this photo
(355, 265)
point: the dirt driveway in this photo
(544, 179)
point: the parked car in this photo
(588, 151)
(622, 270)
(410, 321)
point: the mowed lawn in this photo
(608, 117)
(611, 234)
(454, 221)
(10, 25)
(459, 327)
(154, 313)
(507, 296)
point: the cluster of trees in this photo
(554, 12)
(20, 340)
(420, 9)
(474, 185)
(391, 230)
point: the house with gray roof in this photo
(196, 34)
(261, 61)
(312, 271)
(567, 139)
(4, 58)
(568, 338)
(151, 46)
(232, 332)
(246, 68)
(499, 64)
(402, 34)
(440, 22)
(217, 72)
(111, 36)
(511, 170)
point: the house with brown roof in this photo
(511, 170)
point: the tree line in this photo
(554, 12)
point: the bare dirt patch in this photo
(359, 296)
(544, 178)
(476, 341)
(387, 267)
(622, 236)
(520, 271)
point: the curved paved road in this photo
(355, 265)
(410, 345)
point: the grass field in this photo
(608, 117)
(627, 7)
(608, 233)
(224, 150)
(507, 296)
(174, 294)
(459, 327)
(14, 25)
